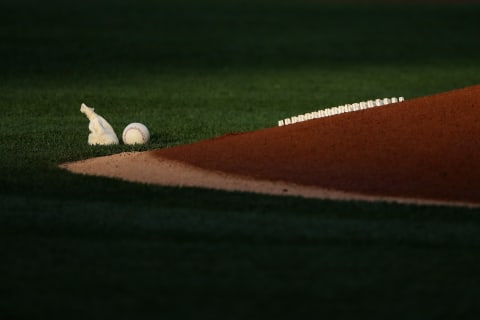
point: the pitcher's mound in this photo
(424, 150)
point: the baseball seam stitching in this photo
(136, 128)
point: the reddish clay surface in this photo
(422, 148)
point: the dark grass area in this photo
(84, 247)
(88, 37)
(236, 255)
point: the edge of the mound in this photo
(147, 168)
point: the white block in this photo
(356, 107)
(280, 123)
(288, 121)
(378, 102)
(394, 100)
(363, 105)
(370, 103)
(401, 99)
(386, 101)
(294, 119)
(301, 118)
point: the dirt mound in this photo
(424, 148)
(423, 151)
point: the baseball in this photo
(135, 133)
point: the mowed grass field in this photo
(93, 248)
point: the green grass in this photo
(85, 247)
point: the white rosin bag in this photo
(101, 132)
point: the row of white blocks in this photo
(340, 109)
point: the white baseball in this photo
(135, 133)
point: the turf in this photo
(85, 247)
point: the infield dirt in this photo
(423, 150)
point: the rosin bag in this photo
(101, 132)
